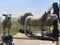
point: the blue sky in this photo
(16, 7)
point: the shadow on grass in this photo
(45, 38)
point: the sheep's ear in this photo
(45, 12)
(10, 14)
(4, 15)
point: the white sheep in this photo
(43, 21)
(6, 23)
(36, 21)
(22, 17)
(51, 18)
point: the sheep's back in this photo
(32, 20)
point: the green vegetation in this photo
(16, 27)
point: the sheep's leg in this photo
(9, 32)
(25, 27)
(3, 32)
(42, 32)
(30, 29)
(49, 29)
(46, 30)
(9, 29)
(22, 28)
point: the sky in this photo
(17, 7)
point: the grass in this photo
(16, 27)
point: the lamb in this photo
(6, 23)
(36, 21)
(43, 21)
(51, 18)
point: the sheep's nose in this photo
(8, 17)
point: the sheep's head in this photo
(7, 16)
(45, 15)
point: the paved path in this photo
(20, 35)
(30, 42)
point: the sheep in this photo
(51, 18)
(6, 23)
(21, 18)
(36, 21)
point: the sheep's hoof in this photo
(21, 31)
(42, 36)
(26, 34)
